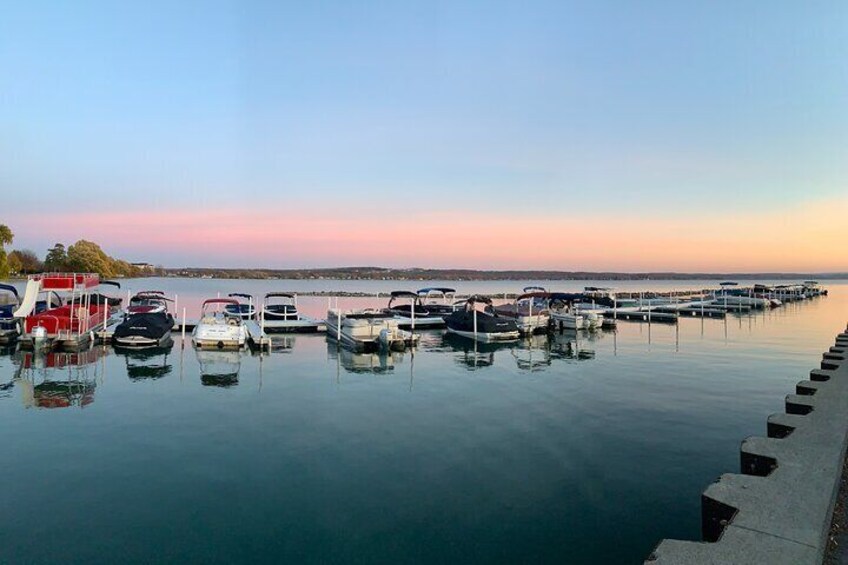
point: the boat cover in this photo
(151, 326)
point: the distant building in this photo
(143, 266)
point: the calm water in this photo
(524, 453)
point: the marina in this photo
(551, 406)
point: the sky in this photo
(623, 136)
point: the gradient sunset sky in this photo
(629, 136)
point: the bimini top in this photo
(811, 282)
(278, 295)
(220, 301)
(9, 288)
(527, 295)
(150, 295)
(534, 289)
(403, 294)
(728, 283)
(240, 295)
(443, 290)
(111, 283)
(597, 288)
(67, 281)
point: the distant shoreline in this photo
(416, 274)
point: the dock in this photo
(257, 339)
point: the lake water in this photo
(452, 453)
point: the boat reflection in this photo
(362, 362)
(533, 353)
(58, 379)
(474, 354)
(148, 362)
(219, 367)
(573, 345)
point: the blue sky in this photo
(649, 107)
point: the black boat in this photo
(414, 311)
(438, 301)
(279, 314)
(482, 325)
(147, 322)
(243, 310)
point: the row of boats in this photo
(43, 316)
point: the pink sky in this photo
(808, 237)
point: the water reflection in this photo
(219, 367)
(147, 363)
(361, 362)
(57, 379)
(472, 353)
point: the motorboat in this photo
(9, 302)
(218, 327)
(244, 310)
(563, 313)
(728, 295)
(437, 300)
(368, 329)
(530, 312)
(412, 314)
(279, 314)
(147, 322)
(482, 325)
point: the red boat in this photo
(72, 323)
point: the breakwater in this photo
(778, 509)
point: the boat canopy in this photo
(728, 283)
(150, 296)
(111, 283)
(279, 295)
(811, 282)
(220, 301)
(527, 295)
(9, 288)
(534, 289)
(403, 294)
(67, 281)
(240, 295)
(441, 289)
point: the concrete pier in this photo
(779, 509)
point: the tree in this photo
(56, 259)
(14, 263)
(87, 257)
(27, 261)
(6, 238)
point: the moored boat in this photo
(279, 314)
(482, 325)
(412, 314)
(243, 309)
(368, 329)
(9, 302)
(218, 328)
(529, 311)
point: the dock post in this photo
(184, 325)
(176, 303)
(105, 317)
(338, 324)
(475, 325)
(412, 309)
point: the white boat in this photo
(529, 311)
(218, 328)
(569, 313)
(727, 296)
(368, 328)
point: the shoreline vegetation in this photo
(420, 274)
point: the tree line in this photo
(81, 257)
